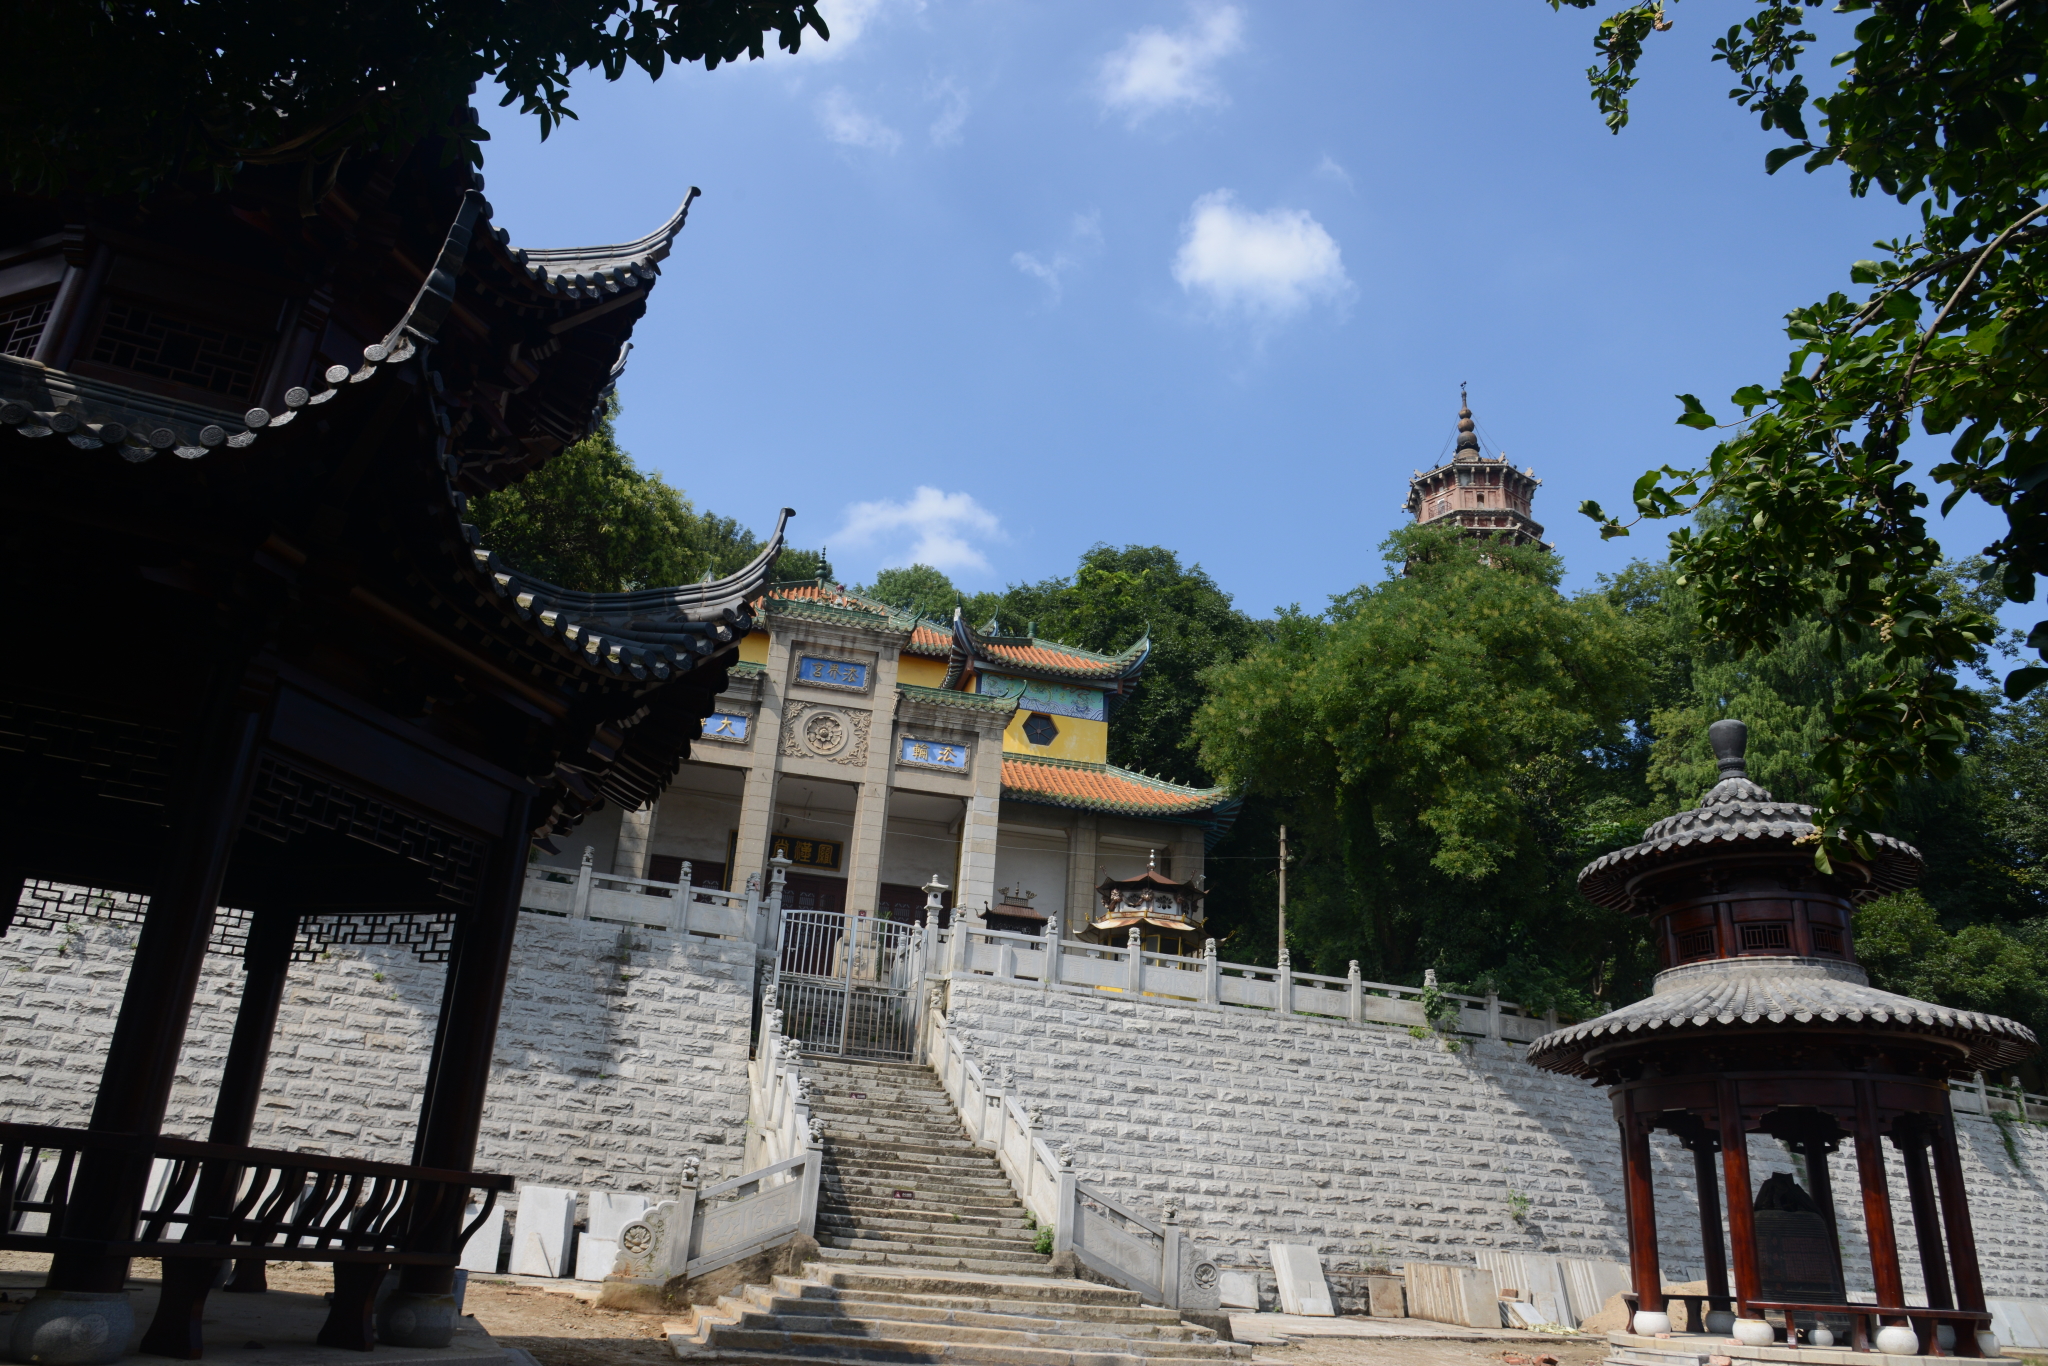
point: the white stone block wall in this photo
(1379, 1148)
(610, 1067)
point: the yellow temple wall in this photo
(754, 648)
(925, 673)
(1086, 741)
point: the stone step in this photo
(888, 1207)
(883, 1185)
(1035, 1333)
(915, 1245)
(835, 1280)
(924, 1243)
(988, 1266)
(964, 1158)
(895, 1220)
(857, 1347)
(1024, 1316)
(881, 1167)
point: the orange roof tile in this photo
(1104, 787)
(926, 638)
(1050, 658)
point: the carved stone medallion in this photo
(837, 735)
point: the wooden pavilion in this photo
(1762, 1021)
(263, 664)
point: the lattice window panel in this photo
(167, 347)
(21, 327)
(288, 801)
(1774, 934)
(54, 905)
(1698, 944)
(430, 937)
(129, 760)
(1827, 939)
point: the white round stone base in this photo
(73, 1328)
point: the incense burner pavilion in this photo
(1762, 1022)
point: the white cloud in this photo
(1157, 70)
(849, 125)
(848, 20)
(945, 129)
(930, 527)
(1267, 265)
(1329, 169)
(1084, 234)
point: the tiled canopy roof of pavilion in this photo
(516, 354)
(1035, 657)
(1105, 787)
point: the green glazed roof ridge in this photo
(947, 697)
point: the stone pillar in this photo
(757, 799)
(1081, 902)
(636, 839)
(871, 809)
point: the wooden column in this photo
(459, 1072)
(1912, 1146)
(142, 1056)
(1642, 1208)
(1877, 1202)
(175, 1331)
(1741, 1200)
(1712, 1248)
(1822, 1182)
(1955, 1212)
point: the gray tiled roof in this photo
(1728, 994)
(1736, 811)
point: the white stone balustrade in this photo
(1167, 978)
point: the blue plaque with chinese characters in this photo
(935, 754)
(726, 725)
(831, 673)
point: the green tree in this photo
(1939, 104)
(919, 588)
(591, 520)
(204, 89)
(1993, 968)
(1440, 746)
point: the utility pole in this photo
(1282, 958)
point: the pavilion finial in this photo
(1468, 436)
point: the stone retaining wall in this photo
(615, 1057)
(1379, 1148)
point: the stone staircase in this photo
(901, 1184)
(856, 1314)
(926, 1256)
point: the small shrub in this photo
(1042, 1245)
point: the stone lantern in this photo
(1761, 1021)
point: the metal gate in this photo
(847, 984)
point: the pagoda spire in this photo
(1468, 435)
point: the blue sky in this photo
(985, 283)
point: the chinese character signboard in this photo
(807, 853)
(831, 673)
(944, 754)
(726, 725)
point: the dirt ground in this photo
(1381, 1352)
(561, 1330)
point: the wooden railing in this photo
(271, 1205)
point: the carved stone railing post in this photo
(1063, 1222)
(683, 900)
(1135, 980)
(579, 909)
(680, 1222)
(1355, 994)
(1493, 1015)
(1212, 974)
(1049, 974)
(1283, 984)
(1169, 1256)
